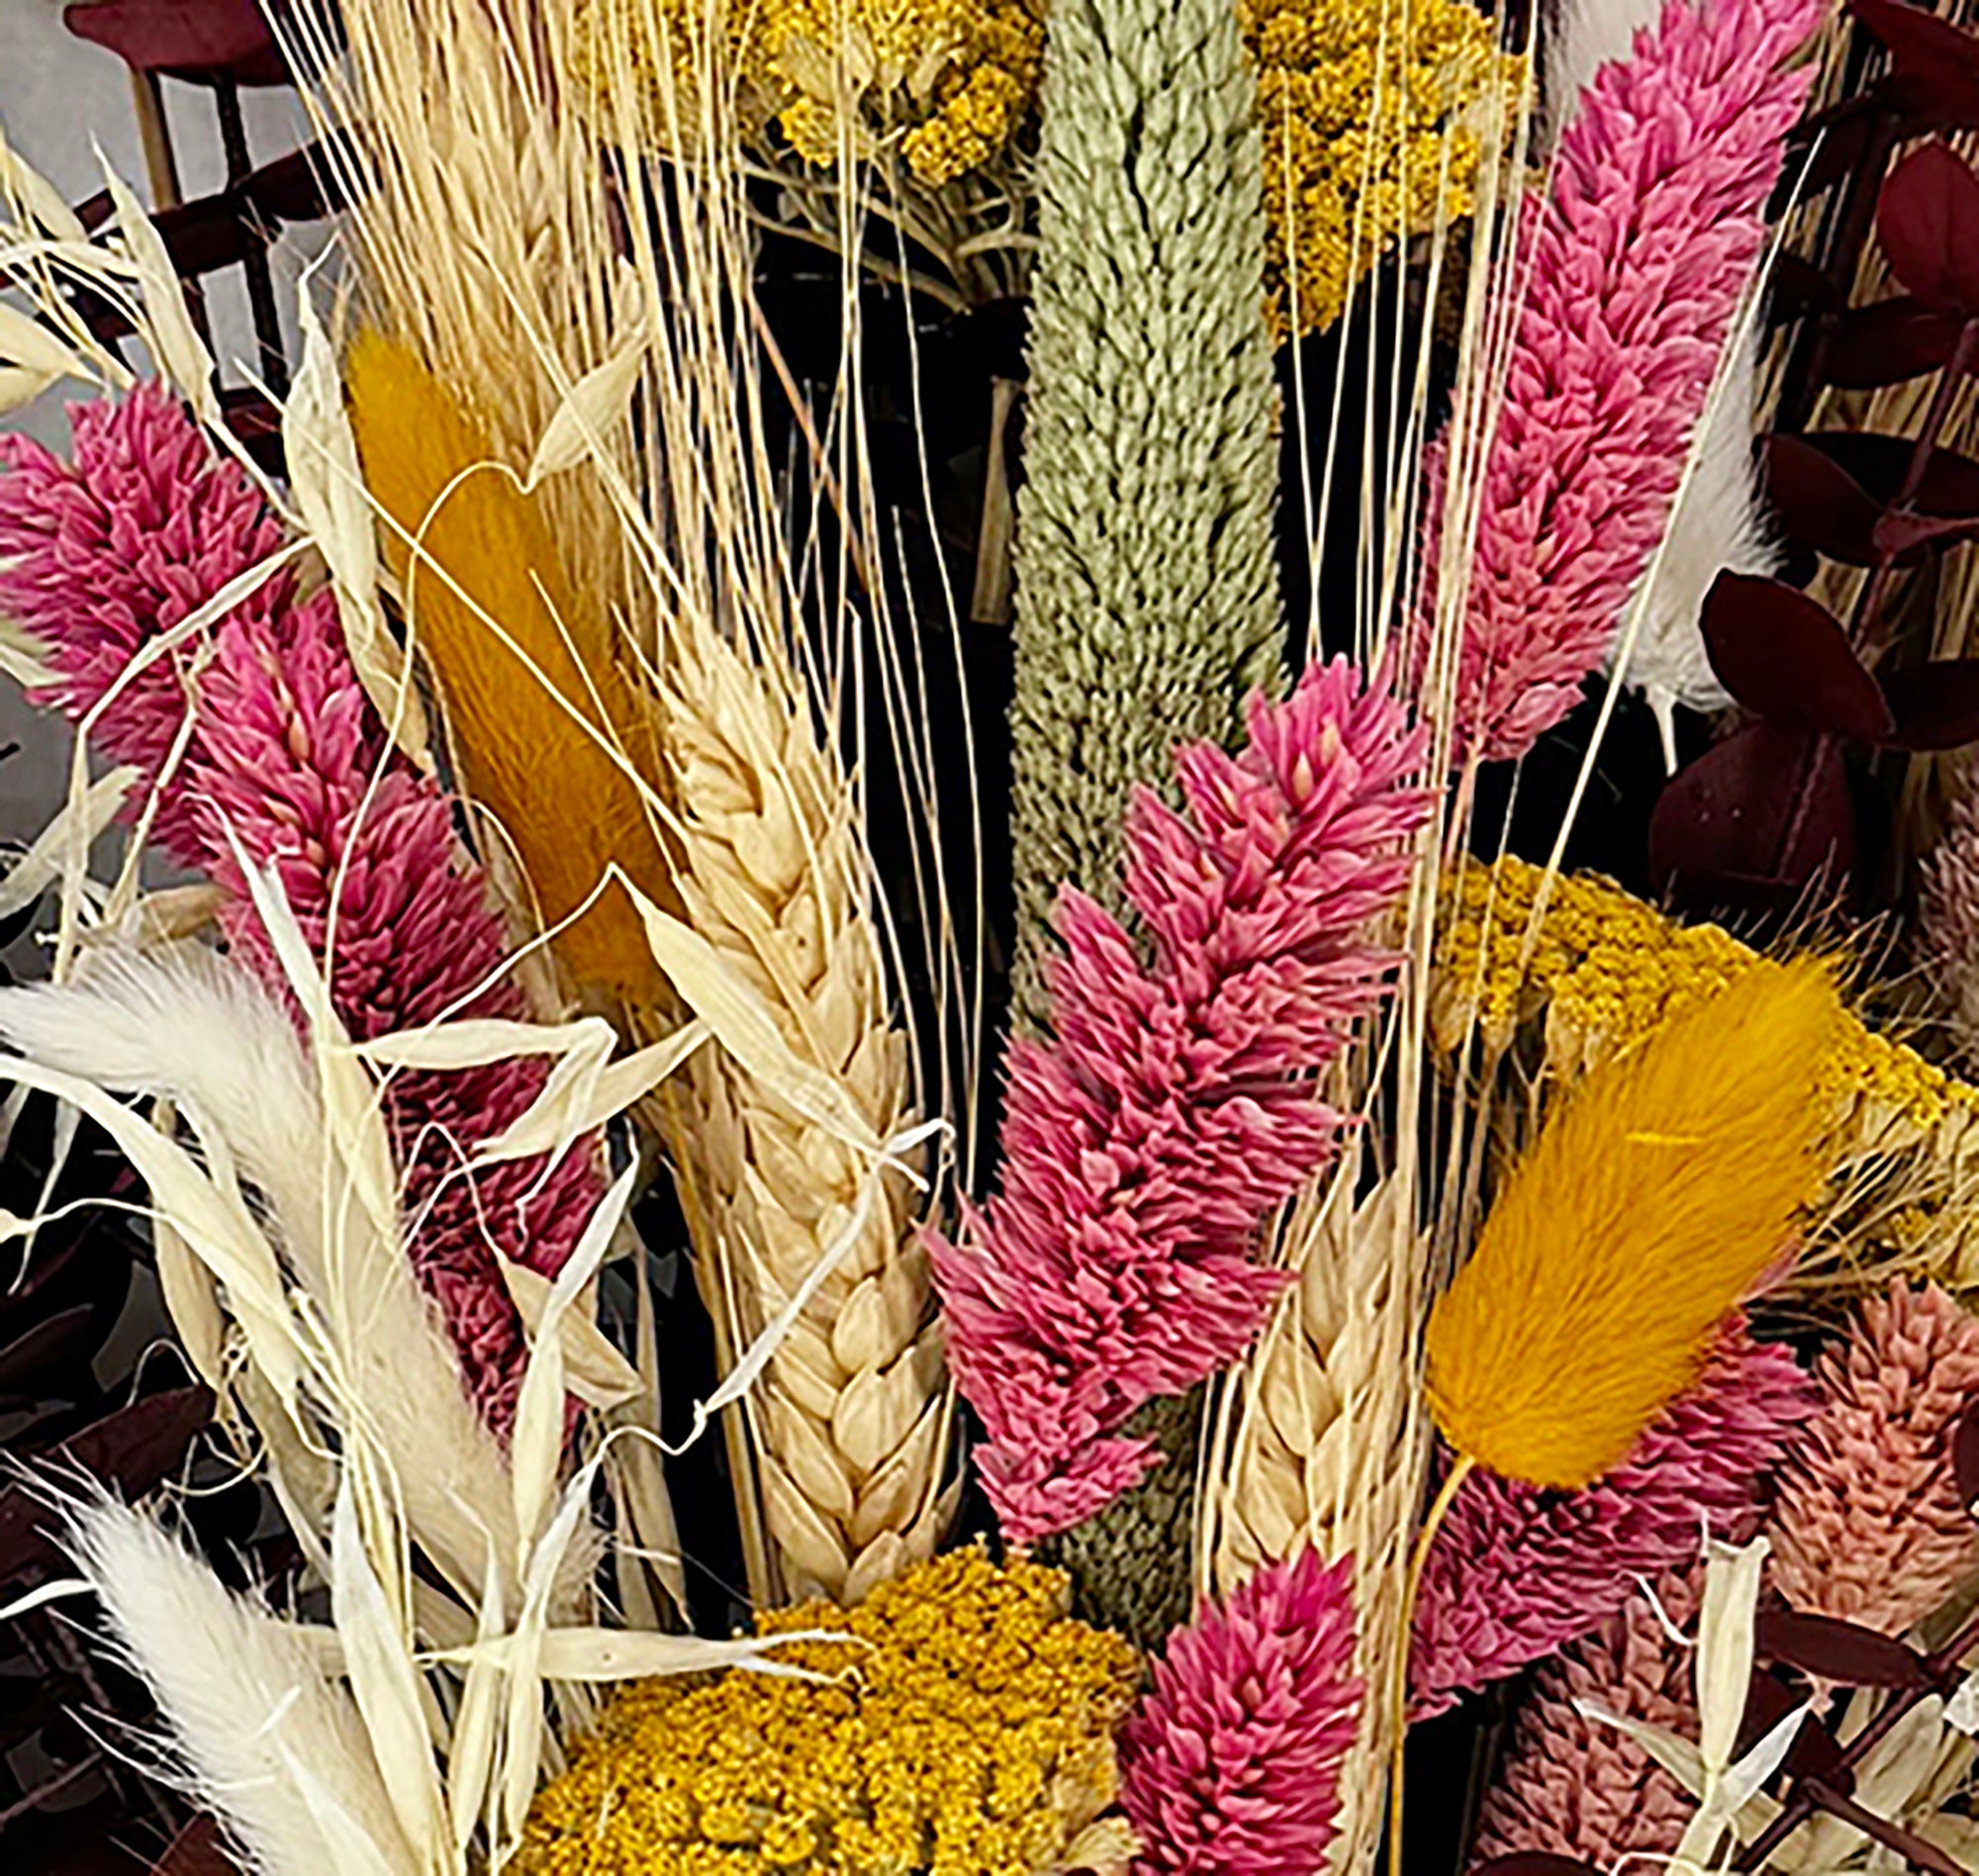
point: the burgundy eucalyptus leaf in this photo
(1785, 657)
(135, 1448)
(1820, 505)
(1815, 1754)
(1838, 1650)
(1754, 820)
(1886, 342)
(1936, 705)
(1908, 536)
(1799, 287)
(1928, 221)
(195, 1851)
(64, 1340)
(1965, 1457)
(205, 236)
(1915, 39)
(298, 187)
(1824, 150)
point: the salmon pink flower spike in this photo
(289, 760)
(1515, 1572)
(1177, 1107)
(1231, 1764)
(1633, 271)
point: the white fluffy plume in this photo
(1718, 524)
(258, 1733)
(186, 1024)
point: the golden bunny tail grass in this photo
(1654, 1200)
(549, 731)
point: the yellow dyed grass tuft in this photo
(550, 733)
(1651, 1203)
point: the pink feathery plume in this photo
(1633, 269)
(289, 761)
(1515, 1572)
(1572, 1786)
(1949, 909)
(105, 553)
(1230, 1766)
(1869, 1527)
(1144, 1146)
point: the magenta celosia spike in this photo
(1633, 270)
(1230, 1766)
(1570, 1785)
(1176, 1107)
(1515, 1572)
(289, 760)
(1870, 1525)
(102, 554)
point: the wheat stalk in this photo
(1319, 1441)
(848, 1427)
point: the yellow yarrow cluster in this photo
(1604, 968)
(966, 1730)
(1373, 115)
(943, 84)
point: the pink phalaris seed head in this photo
(1230, 1766)
(1633, 271)
(1869, 1526)
(289, 766)
(1515, 1572)
(1174, 1108)
(102, 554)
(1570, 1785)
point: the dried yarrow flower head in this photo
(965, 1724)
(1230, 1766)
(1573, 1786)
(941, 84)
(1654, 1199)
(1870, 1526)
(1174, 1110)
(1517, 1572)
(1374, 122)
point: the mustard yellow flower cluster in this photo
(1372, 115)
(966, 1730)
(1603, 968)
(944, 83)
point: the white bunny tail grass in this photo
(187, 1026)
(258, 1733)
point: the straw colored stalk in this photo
(1320, 1442)
(849, 1426)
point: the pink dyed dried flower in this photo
(1517, 1572)
(1146, 1144)
(104, 554)
(1950, 920)
(1572, 1786)
(1634, 267)
(1869, 1526)
(288, 759)
(1230, 1766)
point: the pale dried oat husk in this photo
(1319, 1441)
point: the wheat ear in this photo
(1318, 1440)
(848, 1427)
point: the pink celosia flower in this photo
(1230, 1766)
(1144, 1146)
(1572, 1786)
(1633, 269)
(102, 554)
(1517, 1572)
(1869, 1525)
(289, 759)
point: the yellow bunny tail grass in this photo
(543, 720)
(1651, 1204)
